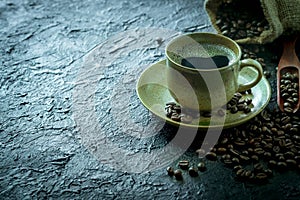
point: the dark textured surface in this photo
(58, 55)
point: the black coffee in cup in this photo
(205, 62)
(206, 56)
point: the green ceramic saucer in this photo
(153, 92)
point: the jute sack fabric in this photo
(283, 17)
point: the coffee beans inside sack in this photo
(255, 21)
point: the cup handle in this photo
(257, 66)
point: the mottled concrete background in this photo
(44, 56)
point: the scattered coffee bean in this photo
(211, 156)
(291, 163)
(221, 150)
(261, 177)
(281, 165)
(258, 167)
(193, 171)
(178, 174)
(269, 172)
(201, 166)
(240, 172)
(248, 173)
(170, 171)
(272, 163)
(237, 167)
(184, 164)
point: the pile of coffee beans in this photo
(174, 112)
(289, 91)
(268, 143)
(253, 53)
(237, 21)
(185, 165)
(238, 103)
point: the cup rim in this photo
(237, 59)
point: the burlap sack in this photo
(283, 17)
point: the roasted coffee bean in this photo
(261, 177)
(224, 140)
(228, 162)
(248, 173)
(214, 150)
(265, 129)
(193, 171)
(289, 145)
(259, 151)
(240, 143)
(225, 157)
(237, 167)
(175, 117)
(234, 152)
(178, 174)
(177, 108)
(171, 104)
(221, 150)
(184, 164)
(201, 166)
(170, 171)
(245, 152)
(235, 160)
(288, 110)
(234, 109)
(241, 106)
(241, 101)
(297, 158)
(269, 172)
(258, 167)
(244, 159)
(282, 143)
(240, 172)
(285, 119)
(282, 165)
(238, 95)
(289, 154)
(276, 149)
(291, 163)
(267, 155)
(211, 156)
(278, 155)
(272, 163)
(294, 130)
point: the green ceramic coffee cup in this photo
(205, 88)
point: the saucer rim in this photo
(204, 127)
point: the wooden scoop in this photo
(289, 63)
